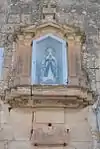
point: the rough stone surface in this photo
(82, 13)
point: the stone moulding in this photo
(60, 94)
(68, 31)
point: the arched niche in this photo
(57, 36)
(49, 60)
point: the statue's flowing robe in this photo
(50, 64)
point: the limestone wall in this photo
(16, 127)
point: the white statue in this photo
(49, 67)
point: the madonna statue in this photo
(49, 68)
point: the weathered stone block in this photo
(26, 19)
(2, 37)
(14, 19)
(2, 18)
(82, 145)
(20, 145)
(15, 9)
(26, 9)
(52, 136)
(45, 116)
(7, 28)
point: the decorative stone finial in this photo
(49, 11)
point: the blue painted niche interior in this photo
(49, 61)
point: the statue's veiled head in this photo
(50, 52)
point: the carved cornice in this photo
(66, 96)
(68, 31)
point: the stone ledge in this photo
(47, 91)
(49, 95)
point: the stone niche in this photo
(63, 80)
(32, 46)
(49, 61)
